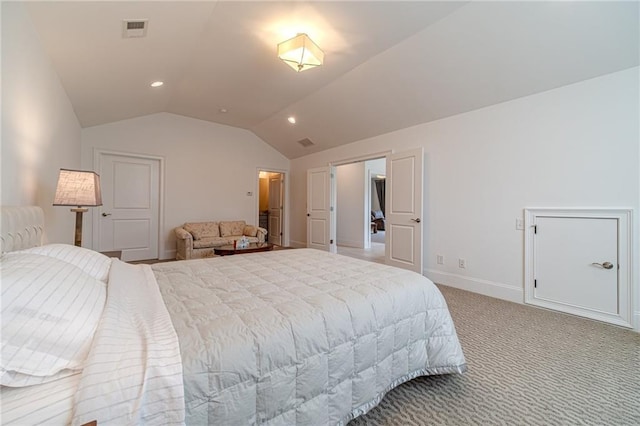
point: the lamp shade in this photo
(300, 53)
(78, 188)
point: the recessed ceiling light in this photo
(223, 110)
(157, 83)
(291, 120)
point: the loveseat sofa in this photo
(196, 240)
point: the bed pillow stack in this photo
(52, 300)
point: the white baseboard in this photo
(635, 322)
(348, 243)
(476, 285)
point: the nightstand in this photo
(115, 253)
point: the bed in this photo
(286, 337)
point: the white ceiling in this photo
(388, 64)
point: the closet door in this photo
(576, 266)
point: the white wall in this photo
(572, 146)
(350, 204)
(209, 168)
(40, 131)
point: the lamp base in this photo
(78, 234)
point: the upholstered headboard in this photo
(21, 228)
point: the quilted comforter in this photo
(301, 336)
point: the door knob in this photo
(417, 220)
(106, 214)
(605, 265)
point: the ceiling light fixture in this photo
(157, 83)
(300, 53)
(291, 120)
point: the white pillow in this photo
(19, 380)
(93, 263)
(50, 311)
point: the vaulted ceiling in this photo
(388, 64)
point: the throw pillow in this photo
(250, 231)
(231, 228)
(202, 229)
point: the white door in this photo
(570, 254)
(275, 208)
(319, 208)
(129, 215)
(576, 266)
(403, 207)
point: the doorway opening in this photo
(403, 207)
(271, 195)
(360, 209)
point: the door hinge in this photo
(535, 283)
(331, 208)
(330, 241)
(535, 229)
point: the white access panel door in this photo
(404, 210)
(578, 266)
(130, 211)
(570, 253)
(319, 208)
(275, 208)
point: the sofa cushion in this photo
(250, 231)
(210, 242)
(201, 230)
(230, 228)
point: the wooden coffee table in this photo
(251, 248)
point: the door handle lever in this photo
(106, 214)
(416, 220)
(605, 265)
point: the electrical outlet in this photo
(519, 224)
(440, 259)
(462, 263)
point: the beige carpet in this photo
(527, 366)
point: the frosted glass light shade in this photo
(300, 53)
(78, 188)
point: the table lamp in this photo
(81, 189)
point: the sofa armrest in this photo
(184, 244)
(262, 235)
(183, 234)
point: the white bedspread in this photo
(301, 336)
(133, 374)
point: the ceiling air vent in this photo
(134, 28)
(306, 142)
